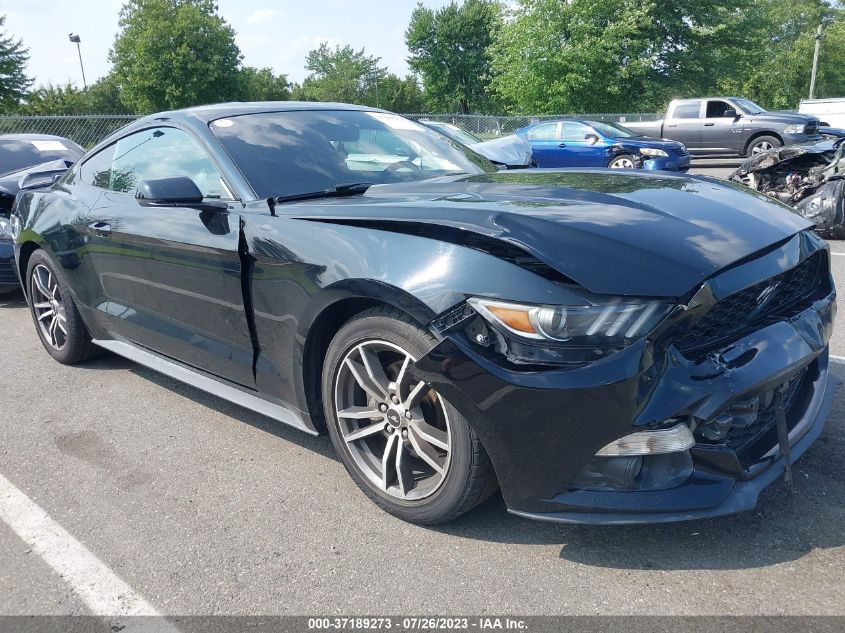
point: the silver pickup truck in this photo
(729, 125)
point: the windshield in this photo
(749, 107)
(612, 130)
(455, 133)
(20, 153)
(292, 153)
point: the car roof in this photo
(208, 113)
(32, 137)
(560, 120)
(703, 99)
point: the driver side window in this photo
(574, 132)
(163, 152)
(716, 109)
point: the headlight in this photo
(653, 152)
(5, 229)
(575, 334)
(795, 128)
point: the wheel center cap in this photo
(393, 418)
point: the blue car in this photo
(571, 143)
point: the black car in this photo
(25, 156)
(605, 347)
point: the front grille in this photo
(679, 151)
(812, 128)
(740, 313)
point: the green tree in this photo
(401, 95)
(174, 54)
(768, 56)
(260, 84)
(341, 74)
(13, 79)
(52, 100)
(598, 56)
(449, 48)
(102, 97)
(105, 94)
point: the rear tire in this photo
(414, 456)
(57, 320)
(762, 144)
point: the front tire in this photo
(623, 161)
(762, 144)
(407, 448)
(55, 315)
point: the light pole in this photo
(815, 63)
(76, 40)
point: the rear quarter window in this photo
(689, 110)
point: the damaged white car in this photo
(809, 177)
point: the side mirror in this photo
(730, 112)
(169, 192)
(592, 139)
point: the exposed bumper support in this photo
(743, 497)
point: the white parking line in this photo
(837, 254)
(840, 360)
(102, 591)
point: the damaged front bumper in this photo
(543, 429)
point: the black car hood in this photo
(11, 182)
(612, 232)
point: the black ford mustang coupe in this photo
(606, 347)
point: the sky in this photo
(277, 34)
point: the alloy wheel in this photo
(395, 429)
(622, 163)
(50, 311)
(765, 146)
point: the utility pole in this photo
(76, 40)
(815, 63)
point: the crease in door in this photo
(247, 268)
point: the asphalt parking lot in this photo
(200, 507)
(714, 167)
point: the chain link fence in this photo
(85, 130)
(88, 130)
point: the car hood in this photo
(510, 150)
(780, 117)
(613, 232)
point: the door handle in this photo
(671, 125)
(709, 124)
(101, 228)
(561, 144)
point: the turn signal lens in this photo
(515, 318)
(673, 440)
